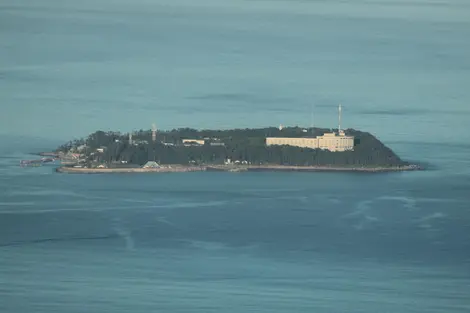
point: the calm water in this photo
(236, 242)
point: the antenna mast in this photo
(311, 119)
(339, 118)
(154, 132)
(154, 139)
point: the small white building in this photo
(194, 141)
(151, 164)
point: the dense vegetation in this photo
(239, 144)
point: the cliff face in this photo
(243, 145)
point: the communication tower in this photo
(339, 118)
(154, 132)
(311, 120)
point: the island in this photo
(235, 150)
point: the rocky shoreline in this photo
(168, 169)
(247, 168)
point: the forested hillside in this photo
(238, 144)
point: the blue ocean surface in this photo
(235, 242)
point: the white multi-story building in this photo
(329, 141)
(194, 141)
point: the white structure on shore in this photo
(151, 164)
(329, 141)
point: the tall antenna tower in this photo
(154, 132)
(311, 120)
(339, 118)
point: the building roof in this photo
(151, 164)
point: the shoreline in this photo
(247, 168)
(169, 169)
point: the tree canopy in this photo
(236, 144)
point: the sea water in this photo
(235, 242)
